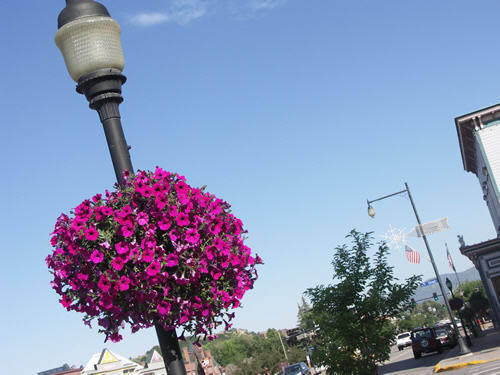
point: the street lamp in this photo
(449, 285)
(463, 346)
(89, 40)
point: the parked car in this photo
(403, 340)
(446, 336)
(299, 368)
(449, 327)
(424, 340)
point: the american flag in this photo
(452, 266)
(412, 255)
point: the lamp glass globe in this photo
(89, 44)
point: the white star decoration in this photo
(395, 237)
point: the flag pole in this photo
(452, 265)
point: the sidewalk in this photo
(485, 348)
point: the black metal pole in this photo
(463, 346)
(103, 91)
(170, 350)
(467, 337)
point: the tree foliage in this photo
(354, 315)
(304, 316)
(427, 313)
(253, 353)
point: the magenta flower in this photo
(91, 234)
(127, 230)
(182, 219)
(96, 256)
(167, 253)
(192, 235)
(122, 247)
(163, 308)
(172, 260)
(123, 283)
(142, 218)
(104, 284)
(164, 223)
(66, 301)
(106, 301)
(148, 255)
(117, 263)
(172, 211)
(153, 268)
(218, 243)
(82, 276)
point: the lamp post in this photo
(89, 40)
(371, 212)
(449, 285)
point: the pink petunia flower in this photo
(192, 235)
(163, 308)
(117, 263)
(153, 268)
(148, 255)
(124, 283)
(104, 284)
(96, 256)
(142, 218)
(127, 230)
(164, 223)
(182, 219)
(122, 247)
(172, 211)
(172, 260)
(66, 301)
(91, 234)
(181, 188)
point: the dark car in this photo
(299, 368)
(451, 339)
(424, 340)
(446, 337)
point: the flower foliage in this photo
(154, 251)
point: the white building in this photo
(479, 138)
(107, 362)
(154, 365)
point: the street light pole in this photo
(463, 346)
(89, 40)
(450, 287)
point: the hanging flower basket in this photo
(154, 251)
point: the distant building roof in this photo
(63, 370)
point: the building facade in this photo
(198, 361)
(479, 137)
(106, 362)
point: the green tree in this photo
(354, 315)
(466, 288)
(304, 316)
(426, 314)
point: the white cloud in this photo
(266, 4)
(148, 19)
(183, 12)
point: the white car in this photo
(403, 340)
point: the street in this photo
(491, 368)
(402, 362)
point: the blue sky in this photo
(293, 111)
